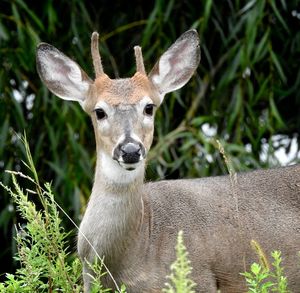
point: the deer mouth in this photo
(129, 167)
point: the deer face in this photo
(122, 110)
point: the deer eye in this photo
(148, 110)
(100, 113)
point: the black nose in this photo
(130, 152)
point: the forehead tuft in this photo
(124, 90)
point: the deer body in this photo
(134, 225)
(139, 242)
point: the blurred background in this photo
(245, 93)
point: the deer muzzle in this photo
(129, 154)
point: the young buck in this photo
(134, 225)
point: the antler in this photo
(139, 60)
(96, 54)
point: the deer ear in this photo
(176, 66)
(61, 75)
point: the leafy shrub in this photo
(180, 271)
(262, 279)
(46, 264)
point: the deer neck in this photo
(117, 198)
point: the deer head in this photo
(122, 110)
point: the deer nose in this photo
(130, 152)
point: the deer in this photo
(132, 225)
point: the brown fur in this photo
(120, 91)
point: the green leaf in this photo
(278, 15)
(275, 113)
(32, 15)
(278, 66)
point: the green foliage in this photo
(96, 278)
(246, 89)
(180, 271)
(42, 248)
(98, 269)
(262, 280)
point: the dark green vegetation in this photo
(247, 88)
